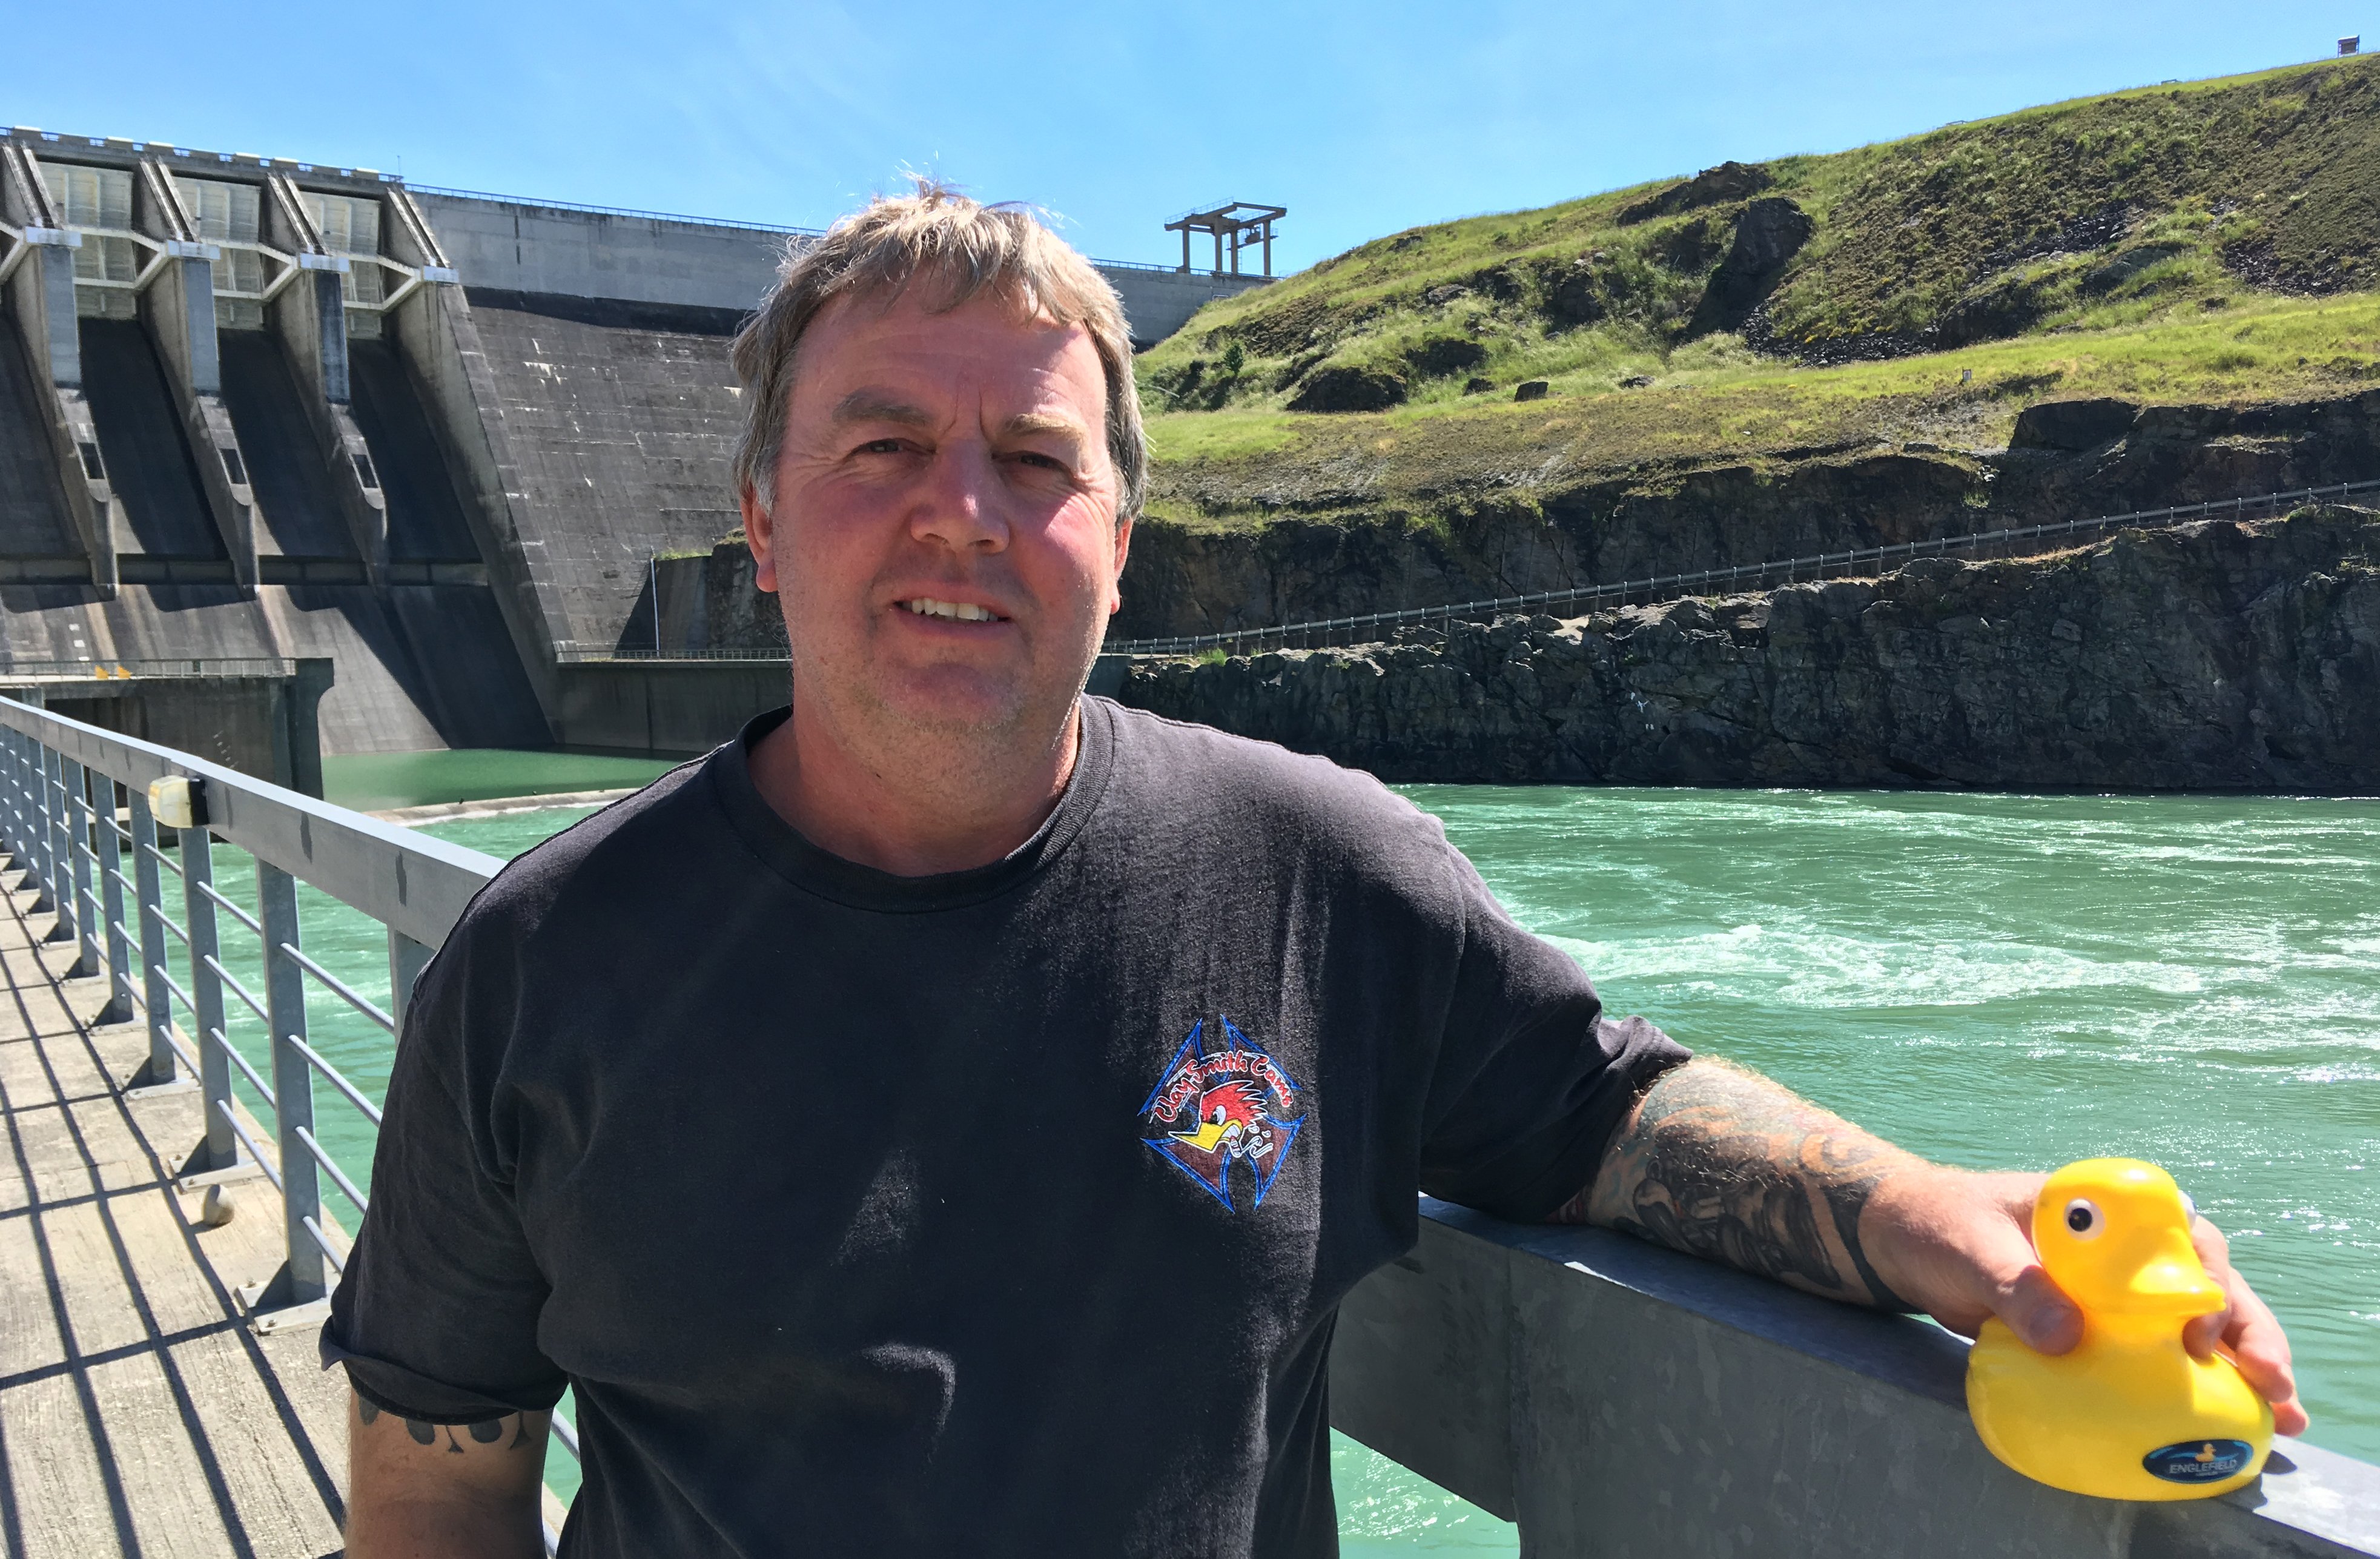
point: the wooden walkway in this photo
(139, 1414)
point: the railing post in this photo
(12, 767)
(218, 1155)
(120, 1004)
(156, 996)
(46, 833)
(76, 783)
(407, 958)
(293, 1086)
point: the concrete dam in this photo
(258, 415)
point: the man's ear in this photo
(760, 534)
(1122, 551)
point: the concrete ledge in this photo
(667, 708)
(496, 807)
(1615, 1399)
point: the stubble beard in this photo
(955, 743)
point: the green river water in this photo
(1992, 981)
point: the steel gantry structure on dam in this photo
(172, 1222)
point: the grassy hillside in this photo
(2218, 241)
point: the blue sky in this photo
(1362, 118)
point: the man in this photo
(945, 1119)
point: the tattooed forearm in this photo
(524, 1429)
(1721, 1163)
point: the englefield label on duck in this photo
(2198, 1461)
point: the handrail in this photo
(1552, 1374)
(338, 1079)
(242, 916)
(414, 883)
(541, 202)
(111, 667)
(354, 998)
(255, 1079)
(1671, 586)
(321, 1156)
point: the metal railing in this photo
(574, 653)
(106, 668)
(536, 202)
(734, 224)
(1713, 582)
(104, 876)
(1613, 1397)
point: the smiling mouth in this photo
(950, 611)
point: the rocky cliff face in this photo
(2067, 459)
(1331, 550)
(2221, 655)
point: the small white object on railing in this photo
(179, 801)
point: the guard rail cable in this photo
(1708, 581)
(59, 822)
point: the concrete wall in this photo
(619, 430)
(518, 246)
(664, 707)
(1618, 1399)
(1158, 303)
(419, 666)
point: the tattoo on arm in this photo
(486, 1431)
(1722, 1163)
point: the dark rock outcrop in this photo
(2217, 656)
(1574, 297)
(2072, 424)
(1769, 233)
(1436, 356)
(1347, 388)
(1728, 181)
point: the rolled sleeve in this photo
(1532, 1078)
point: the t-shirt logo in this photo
(1214, 1110)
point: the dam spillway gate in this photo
(252, 407)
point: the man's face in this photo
(944, 538)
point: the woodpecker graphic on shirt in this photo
(1214, 1108)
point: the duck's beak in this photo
(2172, 1281)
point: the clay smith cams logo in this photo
(1214, 1110)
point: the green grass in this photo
(2216, 240)
(1715, 401)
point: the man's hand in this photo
(1959, 1247)
(1721, 1163)
(424, 1490)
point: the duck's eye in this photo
(2084, 1219)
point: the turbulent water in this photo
(1996, 981)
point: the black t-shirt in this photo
(1000, 1213)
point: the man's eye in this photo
(1045, 461)
(881, 446)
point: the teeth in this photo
(961, 611)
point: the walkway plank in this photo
(139, 1414)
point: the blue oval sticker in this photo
(2198, 1461)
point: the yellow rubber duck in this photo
(2129, 1414)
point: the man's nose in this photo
(962, 505)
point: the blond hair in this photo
(963, 249)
